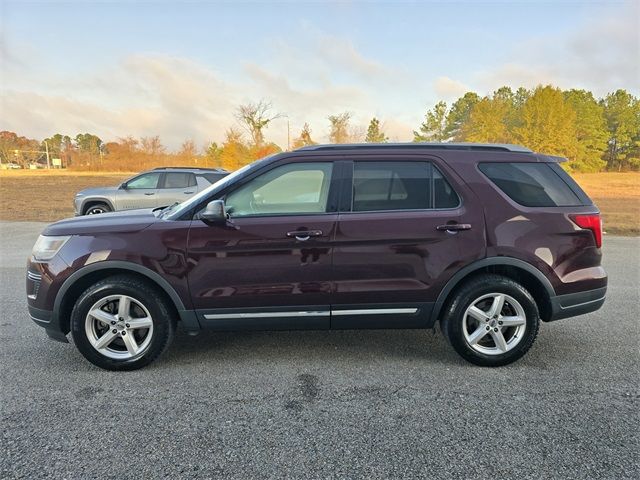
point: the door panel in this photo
(270, 264)
(176, 187)
(399, 260)
(259, 262)
(392, 257)
(141, 192)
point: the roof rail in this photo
(222, 170)
(501, 147)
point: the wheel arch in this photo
(524, 273)
(93, 200)
(80, 280)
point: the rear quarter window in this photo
(532, 184)
(213, 177)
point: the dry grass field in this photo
(42, 196)
(47, 196)
(618, 197)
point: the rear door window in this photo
(179, 180)
(444, 196)
(531, 184)
(398, 185)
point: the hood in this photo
(113, 222)
(97, 191)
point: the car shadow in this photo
(313, 345)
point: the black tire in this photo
(161, 312)
(452, 322)
(97, 208)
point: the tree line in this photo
(594, 134)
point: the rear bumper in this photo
(573, 304)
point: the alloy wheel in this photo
(119, 327)
(494, 323)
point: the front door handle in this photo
(454, 227)
(187, 193)
(304, 235)
(150, 193)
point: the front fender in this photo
(187, 316)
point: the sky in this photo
(180, 69)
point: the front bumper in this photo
(573, 304)
(49, 322)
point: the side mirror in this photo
(123, 186)
(214, 212)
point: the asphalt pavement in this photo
(342, 404)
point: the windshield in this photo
(180, 209)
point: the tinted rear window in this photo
(179, 180)
(396, 185)
(213, 177)
(531, 184)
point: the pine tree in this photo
(591, 131)
(459, 114)
(487, 122)
(622, 115)
(548, 124)
(434, 126)
(374, 132)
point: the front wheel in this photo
(491, 321)
(97, 208)
(122, 323)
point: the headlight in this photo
(47, 247)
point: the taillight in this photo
(591, 222)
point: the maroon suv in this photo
(486, 239)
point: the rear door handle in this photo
(304, 235)
(186, 193)
(454, 227)
(150, 193)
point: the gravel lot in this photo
(368, 404)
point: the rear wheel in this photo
(491, 321)
(122, 323)
(97, 208)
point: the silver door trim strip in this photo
(216, 316)
(373, 311)
(362, 311)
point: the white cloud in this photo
(448, 89)
(601, 55)
(153, 95)
(178, 98)
(308, 79)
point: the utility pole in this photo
(288, 136)
(46, 148)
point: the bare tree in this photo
(188, 150)
(152, 145)
(129, 143)
(255, 117)
(304, 139)
(339, 128)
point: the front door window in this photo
(294, 189)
